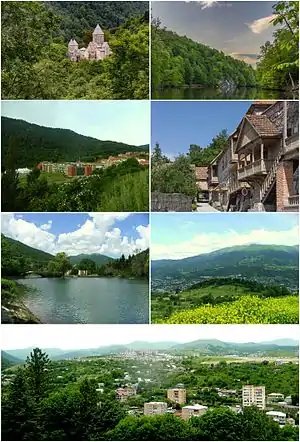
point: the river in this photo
(88, 300)
(215, 94)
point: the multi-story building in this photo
(88, 169)
(70, 170)
(123, 393)
(154, 408)
(193, 410)
(259, 168)
(252, 395)
(177, 395)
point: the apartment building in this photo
(177, 395)
(155, 408)
(193, 410)
(252, 395)
(259, 168)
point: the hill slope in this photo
(7, 360)
(79, 17)
(33, 144)
(96, 257)
(178, 60)
(266, 262)
(17, 258)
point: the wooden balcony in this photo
(213, 180)
(294, 200)
(257, 168)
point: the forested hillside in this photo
(79, 18)
(178, 61)
(34, 50)
(279, 263)
(33, 144)
(18, 258)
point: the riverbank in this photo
(13, 309)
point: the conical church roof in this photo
(98, 30)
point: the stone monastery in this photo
(98, 49)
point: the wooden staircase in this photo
(269, 181)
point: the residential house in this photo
(123, 393)
(274, 397)
(277, 416)
(155, 408)
(259, 168)
(193, 410)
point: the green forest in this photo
(35, 36)
(178, 61)
(121, 188)
(57, 400)
(33, 144)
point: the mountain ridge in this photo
(33, 144)
(207, 346)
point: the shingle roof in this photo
(263, 126)
(201, 173)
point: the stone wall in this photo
(171, 202)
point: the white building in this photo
(275, 397)
(98, 49)
(277, 416)
(252, 395)
(193, 410)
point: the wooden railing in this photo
(257, 167)
(293, 200)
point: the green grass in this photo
(247, 310)
(52, 178)
(129, 193)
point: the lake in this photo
(215, 94)
(88, 300)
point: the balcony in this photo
(294, 200)
(257, 168)
(213, 180)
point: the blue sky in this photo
(110, 234)
(124, 121)
(176, 236)
(177, 124)
(238, 28)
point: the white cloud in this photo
(210, 3)
(95, 235)
(208, 242)
(46, 226)
(261, 24)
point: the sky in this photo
(80, 336)
(237, 28)
(111, 234)
(124, 121)
(177, 124)
(177, 236)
